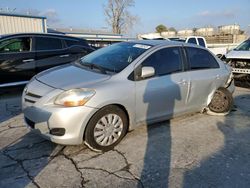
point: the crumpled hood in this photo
(234, 54)
(69, 77)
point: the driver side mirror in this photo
(147, 72)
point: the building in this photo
(97, 38)
(229, 29)
(185, 33)
(18, 23)
(205, 31)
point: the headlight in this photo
(74, 97)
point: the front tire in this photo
(221, 103)
(106, 128)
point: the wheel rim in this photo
(108, 129)
(219, 102)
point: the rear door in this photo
(204, 73)
(50, 52)
(17, 60)
(163, 95)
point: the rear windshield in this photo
(116, 57)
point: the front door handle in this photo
(27, 60)
(66, 55)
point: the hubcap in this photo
(219, 102)
(108, 129)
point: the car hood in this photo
(234, 54)
(70, 76)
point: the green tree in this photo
(172, 29)
(161, 28)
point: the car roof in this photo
(164, 43)
(39, 34)
(154, 42)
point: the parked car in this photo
(239, 60)
(24, 55)
(119, 87)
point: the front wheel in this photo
(221, 102)
(106, 128)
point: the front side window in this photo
(114, 58)
(200, 59)
(46, 43)
(22, 44)
(165, 61)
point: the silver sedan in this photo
(99, 98)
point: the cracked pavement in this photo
(191, 151)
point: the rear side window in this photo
(200, 59)
(201, 42)
(44, 43)
(21, 44)
(192, 40)
(165, 61)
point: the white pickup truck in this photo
(217, 50)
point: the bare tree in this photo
(118, 16)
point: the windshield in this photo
(244, 46)
(114, 58)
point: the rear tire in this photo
(221, 103)
(106, 128)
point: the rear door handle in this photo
(217, 77)
(66, 55)
(27, 60)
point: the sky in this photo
(180, 14)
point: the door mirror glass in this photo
(147, 72)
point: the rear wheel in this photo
(106, 128)
(221, 102)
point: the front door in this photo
(163, 95)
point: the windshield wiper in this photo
(94, 66)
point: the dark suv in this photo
(24, 55)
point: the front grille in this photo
(31, 97)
